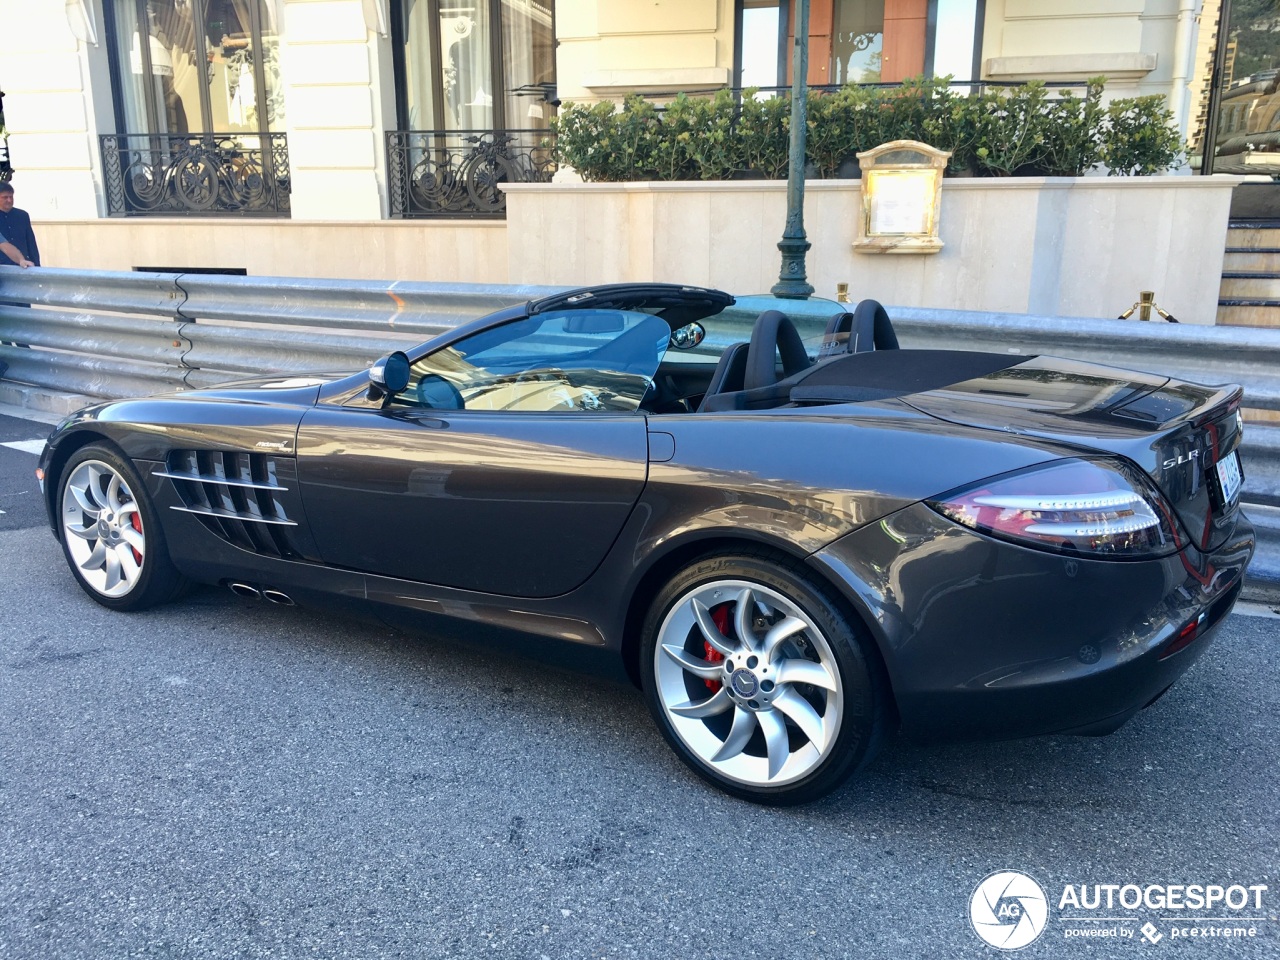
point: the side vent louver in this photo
(235, 496)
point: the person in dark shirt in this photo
(15, 228)
(17, 246)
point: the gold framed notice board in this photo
(901, 197)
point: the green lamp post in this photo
(792, 282)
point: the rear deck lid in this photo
(1178, 432)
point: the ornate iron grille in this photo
(455, 173)
(203, 175)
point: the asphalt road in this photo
(222, 778)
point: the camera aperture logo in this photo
(1008, 910)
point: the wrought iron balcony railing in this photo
(455, 173)
(201, 175)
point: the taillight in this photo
(1071, 506)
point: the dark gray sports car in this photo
(793, 544)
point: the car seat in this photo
(747, 375)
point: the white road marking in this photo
(1251, 609)
(26, 446)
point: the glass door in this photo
(1235, 97)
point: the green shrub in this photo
(1070, 142)
(764, 134)
(605, 144)
(697, 139)
(1009, 129)
(1025, 131)
(1138, 139)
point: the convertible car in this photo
(794, 536)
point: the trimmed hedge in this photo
(1023, 131)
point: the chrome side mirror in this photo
(388, 376)
(688, 336)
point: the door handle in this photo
(423, 420)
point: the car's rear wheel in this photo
(759, 681)
(111, 534)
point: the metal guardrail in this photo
(115, 335)
(1249, 356)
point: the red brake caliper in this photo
(136, 520)
(720, 617)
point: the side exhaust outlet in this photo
(278, 596)
(244, 590)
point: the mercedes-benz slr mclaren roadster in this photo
(794, 535)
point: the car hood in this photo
(1173, 430)
(302, 389)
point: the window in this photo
(850, 41)
(578, 361)
(857, 42)
(197, 97)
(760, 52)
(474, 64)
(195, 66)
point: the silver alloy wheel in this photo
(778, 706)
(102, 529)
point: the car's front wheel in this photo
(111, 534)
(759, 681)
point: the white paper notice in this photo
(899, 204)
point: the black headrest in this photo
(773, 334)
(869, 315)
(728, 374)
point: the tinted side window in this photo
(575, 361)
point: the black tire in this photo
(848, 700)
(99, 515)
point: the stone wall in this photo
(1055, 246)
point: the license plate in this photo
(1229, 477)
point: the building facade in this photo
(367, 138)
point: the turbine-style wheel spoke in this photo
(87, 506)
(97, 560)
(698, 667)
(803, 715)
(782, 630)
(718, 703)
(710, 632)
(743, 618)
(129, 567)
(776, 742)
(806, 671)
(84, 533)
(133, 538)
(744, 725)
(114, 487)
(96, 473)
(111, 564)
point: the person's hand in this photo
(24, 263)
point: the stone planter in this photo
(1076, 247)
